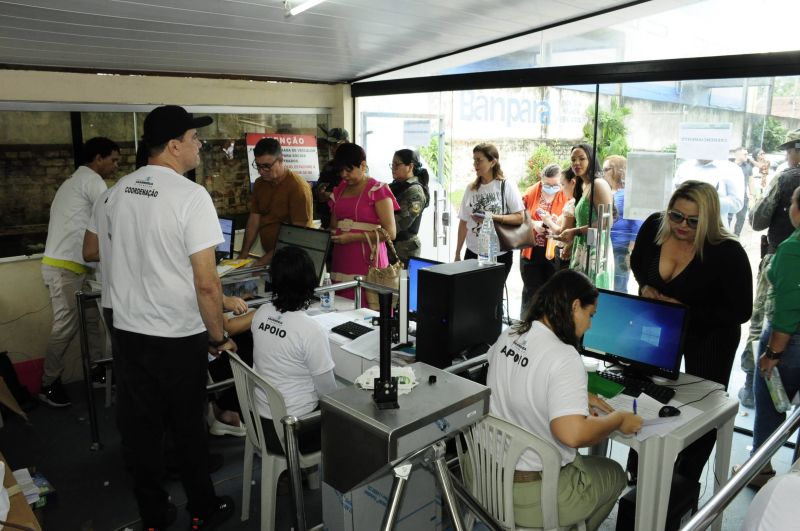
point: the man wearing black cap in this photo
(329, 177)
(167, 302)
(770, 212)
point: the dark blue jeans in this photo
(767, 418)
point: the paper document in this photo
(367, 346)
(648, 407)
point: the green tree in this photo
(769, 134)
(612, 131)
(430, 154)
(541, 157)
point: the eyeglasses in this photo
(394, 166)
(678, 218)
(475, 162)
(266, 167)
(609, 168)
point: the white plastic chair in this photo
(493, 447)
(272, 465)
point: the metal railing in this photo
(714, 507)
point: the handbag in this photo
(388, 276)
(513, 237)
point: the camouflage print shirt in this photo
(412, 202)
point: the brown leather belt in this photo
(525, 476)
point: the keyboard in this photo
(351, 329)
(635, 386)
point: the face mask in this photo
(551, 189)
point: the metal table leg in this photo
(80, 299)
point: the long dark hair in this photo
(591, 170)
(293, 279)
(577, 191)
(554, 302)
(409, 156)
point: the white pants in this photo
(62, 285)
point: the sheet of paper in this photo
(367, 346)
(648, 407)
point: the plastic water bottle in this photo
(326, 299)
(777, 392)
(488, 242)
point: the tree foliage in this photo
(612, 132)
(541, 157)
(430, 154)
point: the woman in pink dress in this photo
(359, 206)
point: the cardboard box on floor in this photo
(362, 509)
(8, 400)
(20, 512)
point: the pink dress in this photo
(351, 259)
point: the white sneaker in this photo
(220, 428)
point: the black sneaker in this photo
(54, 395)
(223, 510)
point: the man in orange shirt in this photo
(279, 196)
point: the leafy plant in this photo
(612, 131)
(768, 135)
(430, 154)
(541, 157)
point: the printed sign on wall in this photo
(299, 154)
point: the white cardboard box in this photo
(363, 508)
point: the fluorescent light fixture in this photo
(308, 4)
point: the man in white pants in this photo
(63, 268)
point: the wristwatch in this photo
(771, 354)
(221, 342)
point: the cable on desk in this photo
(702, 397)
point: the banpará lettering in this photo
(141, 191)
(272, 329)
(474, 106)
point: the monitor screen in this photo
(316, 242)
(644, 335)
(225, 249)
(414, 265)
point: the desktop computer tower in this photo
(459, 310)
(683, 498)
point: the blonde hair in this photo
(619, 166)
(709, 222)
(490, 152)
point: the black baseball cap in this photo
(170, 121)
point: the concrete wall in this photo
(24, 302)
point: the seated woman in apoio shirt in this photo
(290, 349)
(538, 382)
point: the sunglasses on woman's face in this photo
(678, 218)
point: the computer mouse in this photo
(669, 411)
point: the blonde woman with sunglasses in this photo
(686, 255)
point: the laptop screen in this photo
(644, 334)
(316, 243)
(225, 249)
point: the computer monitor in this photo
(316, 242)
(645, 336)
(225, 249)
(414, 265)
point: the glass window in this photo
(36, 156)
(655, 30)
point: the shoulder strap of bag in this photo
(373, 248)
(392, 253)
(503, 194)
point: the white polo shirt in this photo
(289, 349)
(69, 215)
(535, 378)
(98, 225)
(157, 219)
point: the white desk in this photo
(347, 365)
(657, 455)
